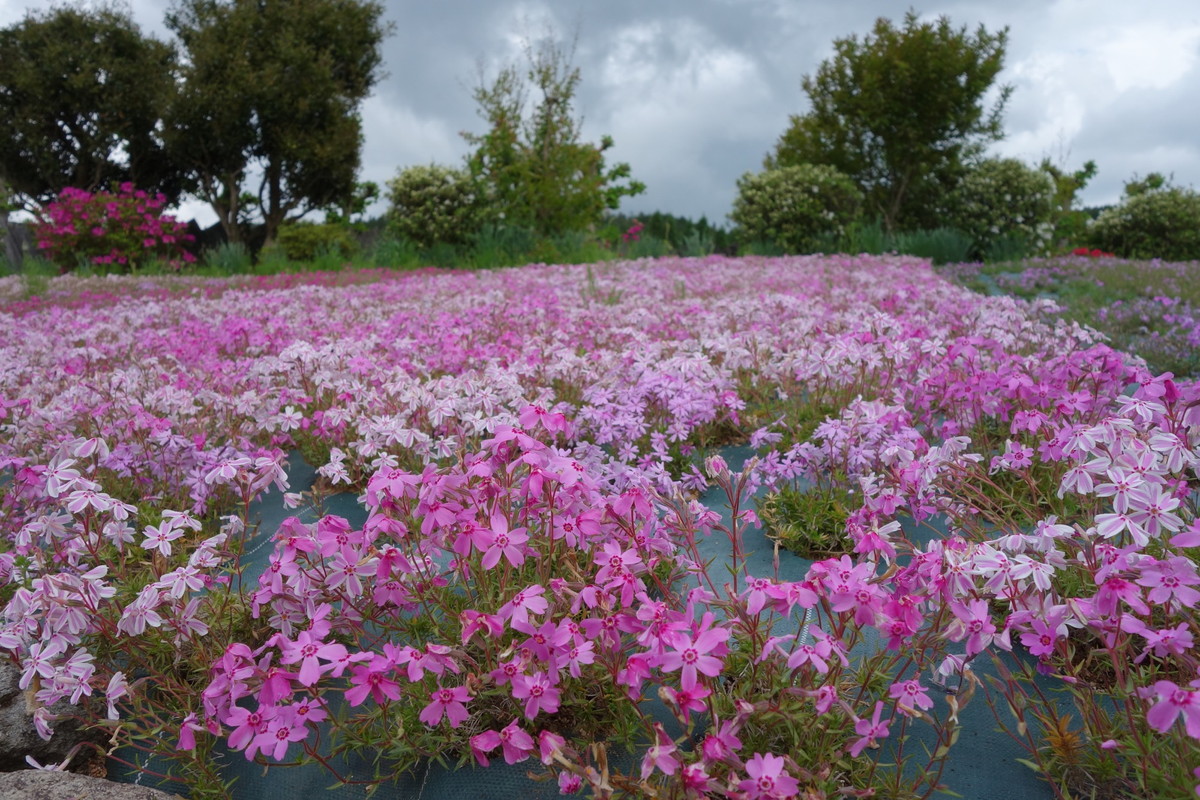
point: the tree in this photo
(533, 167)
(901, 112)
(273, 87)
(81, 98)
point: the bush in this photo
(433, 204)
(304, 241)
(229, 258)
(122, 230)
(1161, 222)
(1003, 199)
(795, 206)
(940, 245)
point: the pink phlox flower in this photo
(635, 672)
(1170, 702)
(687, 701)
(336, 535)
(530, 600)
(756, 594)
(473, 622)
(507, 670)
(766, 778)
(549, 744)
(972, 622)
(1189, 537)
(543, 639)
(517, 744)
(118, 687)
(507, 543)
(448, 703)
(791, 594)
(703, 652)
(910, 696)
(187, 732)
(1152, 507)
(281, 730)
(869, 731)
(247, 725)
(723, 744)
(538, 691)
(434, 658)
(614, 561)
(372, 679)
(574, 655)
(159, 537)
(1170, 582)
(1164, 642)
(310, 651)
(660, 755)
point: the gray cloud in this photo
(695, 92)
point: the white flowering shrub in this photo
(433, 204)
(1003, 198)
(1158, 223)
(795, 206)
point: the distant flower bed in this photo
(1150, 308)
(528, 446)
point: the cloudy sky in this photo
(695, 92)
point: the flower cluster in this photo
(121, 229)
(1093, 253)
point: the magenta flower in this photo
(310, 651)
(371, 680)
(510, 544)
(869, 731)
(1171, 701)
(699, 654)
(767, 778)
(660, 755)
(448, 703)
(910, 697)
(280, 732)
(517, 744)
(538, 692)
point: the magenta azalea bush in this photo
(119, 230)
(528, 573)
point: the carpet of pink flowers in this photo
(529, 445)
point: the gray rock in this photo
(32, 784)
(18, 737)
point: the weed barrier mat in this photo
(982, 764)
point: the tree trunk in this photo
(12, 248)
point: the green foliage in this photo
(432, 203)
(1070, 223)
(273, 88)
(685, 236)
(81, 95)
(810, 523)
(304, 241)
(939, 245)
(1154, 220)
(1001, 198)
(496, 245)
(794, 206)
(534, 170)
(901, 112)
(229, 258)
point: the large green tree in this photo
(81, 98)
(532, 164)
(272, 88)
(901, 111)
